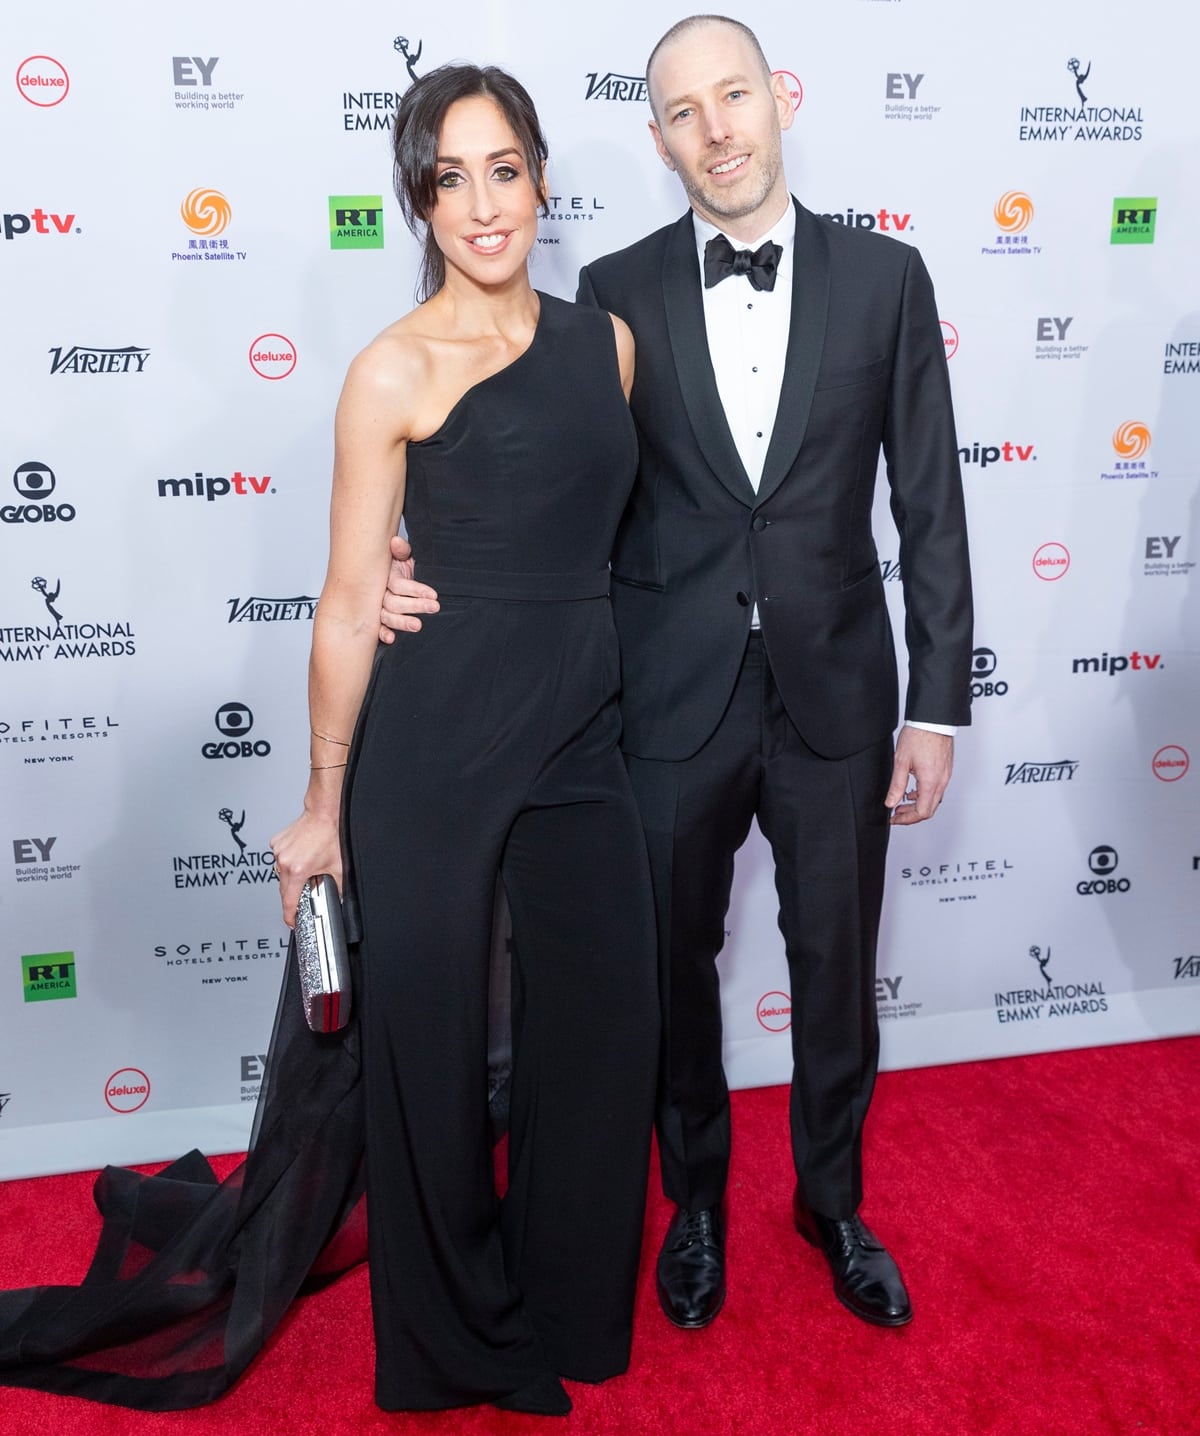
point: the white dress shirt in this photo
(747, 342)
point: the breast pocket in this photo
(845, 375)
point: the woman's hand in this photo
(305, 848)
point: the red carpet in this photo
(1045, 1211)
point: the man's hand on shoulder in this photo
(928, 758)
(405, 597)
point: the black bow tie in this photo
(760, 267)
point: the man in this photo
(776, 354)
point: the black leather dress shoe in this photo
(691, 1267)
(866, 1280)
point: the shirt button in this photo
(758, 434)
(743, 599)
(749, 306)
(754, 368)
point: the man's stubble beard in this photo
(716, 204)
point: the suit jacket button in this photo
(759, 524)
(743, 598)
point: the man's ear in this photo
(783, 102)
(663, 152)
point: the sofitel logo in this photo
(83, 359)
(610, 86)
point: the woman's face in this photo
(485, 218)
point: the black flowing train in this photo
(486, 751)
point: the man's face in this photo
(718, 126)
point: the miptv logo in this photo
(774, 1011)
(1170, 763)
(206, 211)
(1131, 439)
(793, 86)
(1013, 211)
(272, 356)
(127, 1089)
(42, 81)
(1051, 561)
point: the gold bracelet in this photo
(317, 767)
(325, 738)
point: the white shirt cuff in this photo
(948, 729)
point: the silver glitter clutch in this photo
(322, 956)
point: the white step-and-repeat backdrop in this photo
(197, 236)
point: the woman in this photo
(495, 420)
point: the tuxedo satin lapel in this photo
(693, 366)
(806, 340)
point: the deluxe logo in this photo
(271, 610)
(1073, 999)
(1170, 763)
(127, 1090)
(43, 81)
(1062, 771)
(193, 73)
(247, 866)
(235, 720)
(31, 859)
(40, 222)
(950, 338)
(48, 976)
(35, 483)
(627, 89)
(1005, 453)
(983, 665)
(1080, 122)
(900, 99)
(1013, 213)
(1051, 561)
(774, 1011)
(272, 356)
(1184, 967)
(23, 643)
(1103, 862)
(794, 88)
(1160, 558)
(1051, 339)
(211, 487)
(355, 221)
(83, 359)
(370, 109)
(1182, 358)
(1133, 221)
(22, 731)
(888, 221)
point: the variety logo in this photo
(983, 665)
(31, 858)
(127, 1090)
(254, 1071)
(247, 866)
(1051, 338)
(1062, 771)
(1103, 862)
(889, 570)
(28, 643)
(1005, 453)
(1184, 967)
(886, 220)
(794, 88)
(1118, 663)
(1013, 213)
(43, 81)
(1133, 221)
(950, 338)
(55, 730)
(271, 610)
(355, 221)
(215, 486)
(83, 359)
(1051, 561)
(35, 482)
(1080, 122)
(272, 356)
(888, 1005)
(1182, 357)
(234, 721)
(774, 1011)
(1051, 999)
(900, 98)
(5, 1099)
(1170, 763)
(627, 89)
(40, 222)
(1160, 558)
(193, 74)
(48, 976)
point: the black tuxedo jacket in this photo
(697, 546)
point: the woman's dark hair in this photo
(415, 146)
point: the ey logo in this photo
(1013, 211)
(206, 211)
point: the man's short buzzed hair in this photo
(695, 22)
